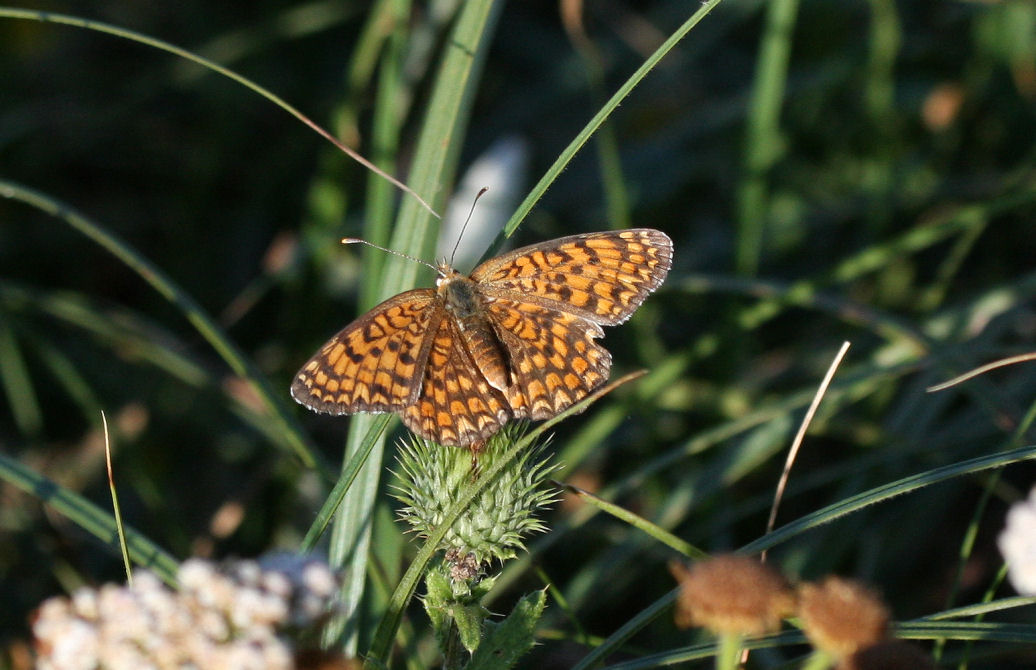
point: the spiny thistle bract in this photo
(430, 477)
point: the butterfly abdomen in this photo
(462, 301)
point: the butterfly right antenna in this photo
(466, 221)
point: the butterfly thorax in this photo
(463, 302)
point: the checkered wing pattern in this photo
(554, 359)
(456, 406)
(376, 363)
(602, 277)
(515, 340)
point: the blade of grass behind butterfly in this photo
(364, 447)
(434, 166)
(379, 49)
(594, 124)
(391, 107)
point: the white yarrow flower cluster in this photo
(231, 616)
(1018, 545)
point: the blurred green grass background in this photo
(878, 188)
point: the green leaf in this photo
(436, 603)
(469, 620)
(508, 640)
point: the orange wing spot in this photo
(579, 284)
(335, 353)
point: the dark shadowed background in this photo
(891, 187)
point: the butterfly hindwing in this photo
(456, 405)
(553, 357)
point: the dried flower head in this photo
(732, 594)
(1018, 545)
(841, 616)
(231, 616)
(463, 567)
(888, 655)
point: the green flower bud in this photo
(430, 476)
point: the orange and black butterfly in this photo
(515, 340)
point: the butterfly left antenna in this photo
(356, 240)
(466, 221)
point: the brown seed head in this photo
(732, 594)
(841, 616)
(888, 655)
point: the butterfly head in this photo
(447, 275)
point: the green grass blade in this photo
(192, 311)
(341, 487)
(638, 522)
(887, 492)
(595, 123)
(763, 142)
(435, 162)
(90, 518)
(88, 24)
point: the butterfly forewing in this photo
(601, 276)
(374, 364)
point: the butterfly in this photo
(514, 340)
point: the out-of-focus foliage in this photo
(894, 201)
